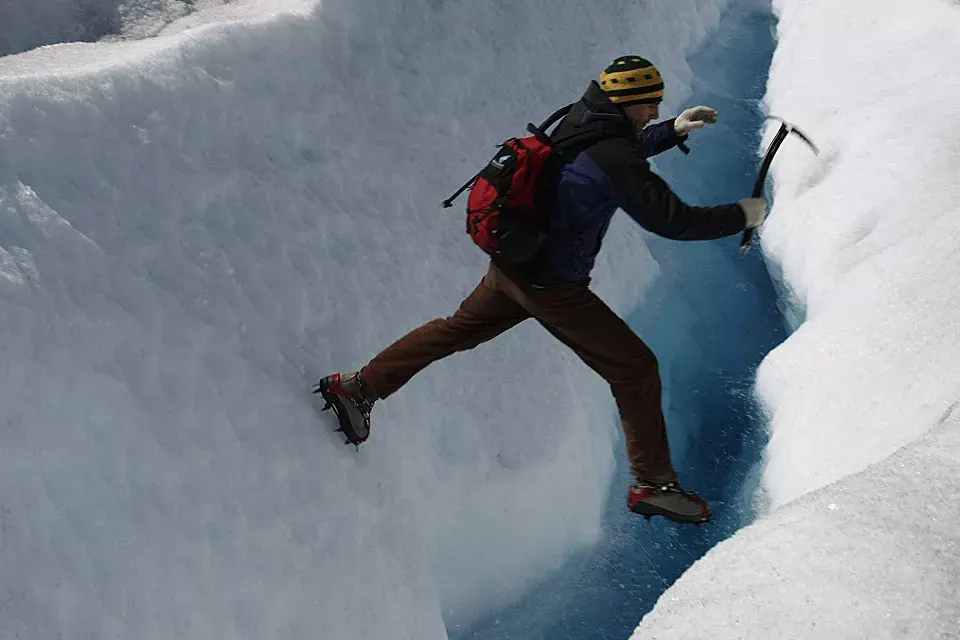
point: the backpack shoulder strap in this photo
(541, 132)
(584, 137)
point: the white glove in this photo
(755, 210)
(694, 118)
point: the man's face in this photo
(640, 115)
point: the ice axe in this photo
(785, 129)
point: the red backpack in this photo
(505, 217)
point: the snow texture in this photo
(862, 465)
(876, 555)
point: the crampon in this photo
(351, 408)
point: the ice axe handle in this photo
(747, 238)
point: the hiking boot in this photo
(669, 500)
(351, 401)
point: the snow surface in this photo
(866, 236)
(876, 555)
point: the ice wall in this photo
(871, 556)
(863, 463)
(192, 229)
(864, 236)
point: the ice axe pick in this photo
(785, 129)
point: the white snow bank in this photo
(860, 543)
(865, 235)
(875, 555)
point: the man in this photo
(612, 173)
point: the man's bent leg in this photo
(483, 315)
(582, 321)
(630, 368)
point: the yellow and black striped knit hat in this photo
(632, 80)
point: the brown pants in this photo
(576, 317)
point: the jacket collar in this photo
(597, 106)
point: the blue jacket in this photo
(612, 174)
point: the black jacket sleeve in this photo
(648, 199)
(659, 137)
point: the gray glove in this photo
(755, 210)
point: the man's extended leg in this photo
(483, 315)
